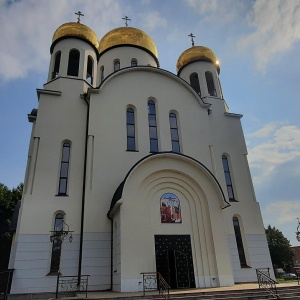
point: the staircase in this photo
(287, 292)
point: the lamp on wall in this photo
(59, 234)
(298, 232)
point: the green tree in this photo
(8, 201)
(280, 249)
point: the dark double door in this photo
(174, 260)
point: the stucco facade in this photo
(110, 186)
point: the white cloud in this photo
(284, 211)
(281, 145)
(217, 11)
(27, 28)
(153, 20)
(276, 26)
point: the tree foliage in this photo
(8, 201)
(280, 249)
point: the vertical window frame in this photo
(64, 169)
(239, 242)
(56, 244)
(131, 129)
(195, 83)
(56, 65)
(175, 139)
(211, 87)
(102, 74)
(228, 178)
(134, 62)
(73, 63)
(90, 70)
(152, 121)
(117, 65)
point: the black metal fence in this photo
(154, 281)
(69, 285)
(5, 283)
(266, 282)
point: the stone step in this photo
(250, 294)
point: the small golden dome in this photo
(196, 53)
(76, 30)
(127, 36)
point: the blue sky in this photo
(256, 41)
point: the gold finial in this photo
(79, 15)
(192, 38)
(126, 19)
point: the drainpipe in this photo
(111, 251)
(84, 96)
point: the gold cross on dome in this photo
(79, 15)
(126, 19)
(192, 38)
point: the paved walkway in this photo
(246, 286)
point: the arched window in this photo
(220, 88)
(134, 62)
(239, 242)
(73, 65)
(210, 84)
(56, 65)
(56, 246)
(152, 126)
(116, 65)
(130, 123)
(194, 80)
(64, 169)
(102, 73)
(89, 70)
(228, 178)
(174, 133)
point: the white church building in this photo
(146, 170)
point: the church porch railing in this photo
(266, 282)
(70, 285)
(154, 281)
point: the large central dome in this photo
(127, 36)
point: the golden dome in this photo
(76, 30)
(196, 53)
(127, 36)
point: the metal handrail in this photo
(154, 281)
(266, 282)
(71, 284)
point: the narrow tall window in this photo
(210, 84)
(102, 73)
(56, 246)
(228, 178)
(194, 79)
(239, 242)
(73, 64)
(56, 65)
(174, 133)
(89, 70)
(64, 169)
(152, 126)
(130, 123)
(116, 65)
(133, 62)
